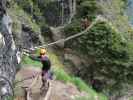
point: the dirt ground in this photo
(57, 90)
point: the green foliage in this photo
(27, 5)
(19, 15)
(9, 98)
(33, 8)
(52, 14)
(87, 8)
(112, 57)
(61, 75)
(73, 28)
(42, 4)
(119, 19)
(26, 60)
(103, 42)
(81, 98)
(80, 84)
(108, 51)
(131, 98)
(88, 98)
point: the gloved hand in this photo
(32, 50)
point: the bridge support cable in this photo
(98, 18)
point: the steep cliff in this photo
(8, 53)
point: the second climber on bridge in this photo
(46, 65)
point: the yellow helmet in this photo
(42, 51)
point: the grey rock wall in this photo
(8, 58)
(60, 12)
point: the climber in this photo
(45, 73)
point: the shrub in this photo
(109, 53)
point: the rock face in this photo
(8, 58)
(28, 37)
(57, 34)
(59, 12)
(77, 64)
